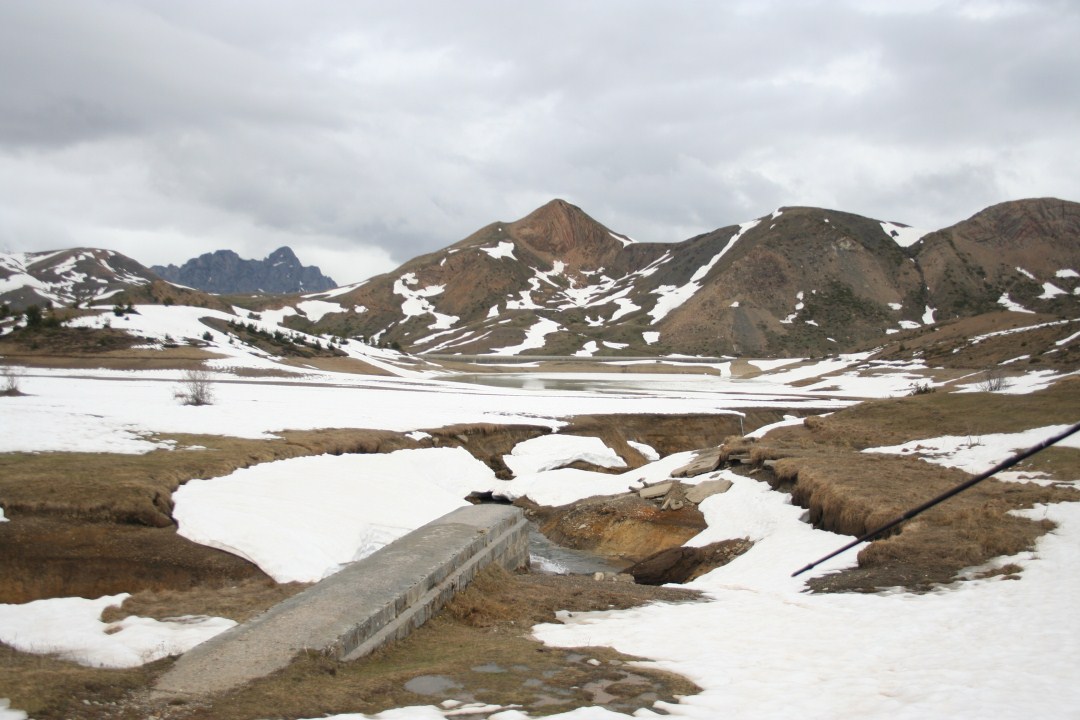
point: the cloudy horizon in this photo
(365, 134)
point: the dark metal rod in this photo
(1003, 465)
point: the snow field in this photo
(759, 646)
(72, 629)
(301, 519)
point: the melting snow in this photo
(416, 301)
(1006, 302)
(903, 235)
(1050, 291)
(549, 452)
(72, 629)
(799, 305)
(534, 338)
(588, 350)
(277, 514)
(976, 453)
(672, 297)
(503, 249)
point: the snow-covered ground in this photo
(758, 645)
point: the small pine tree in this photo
(33, 316)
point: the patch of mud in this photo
(622, 526)
(49, 557)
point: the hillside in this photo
(68, 277)
(801, 281)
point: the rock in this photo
(705, 461)
(683, 564)
(613, 577)
(655, 491)
(699, 492)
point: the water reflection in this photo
(607, 383)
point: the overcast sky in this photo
(362, 134)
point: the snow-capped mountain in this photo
(800, 281)
(68, 277)
(797, 282)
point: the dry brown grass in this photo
(890, 422)
(485, 627)
(850, 492)
(50, 689)
(137, 489)
(239, 601)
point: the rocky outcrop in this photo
(225, 272)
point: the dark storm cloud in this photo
(363, 134)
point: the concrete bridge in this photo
(367, 604)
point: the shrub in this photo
(994, 380)
(196, 388)
(9, 382)
(33, 316)
(923, 388)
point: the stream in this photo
(548, 557)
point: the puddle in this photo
(431, 685)
(488, 668)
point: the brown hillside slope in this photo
(1013, 248)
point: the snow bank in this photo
(300, 519)
(72, 629)
(553, 451)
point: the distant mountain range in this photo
(797, 282)
(224, 272)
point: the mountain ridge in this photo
(798, 282)
(225, 272)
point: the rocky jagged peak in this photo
(223, 271)
(283, 255)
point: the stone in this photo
(704, 461)
(655, 491)
(699, 492)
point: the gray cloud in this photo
(363, 134)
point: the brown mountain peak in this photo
(559, 230)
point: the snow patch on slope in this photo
(671, 297)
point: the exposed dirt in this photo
(46, 557)
(683, 564)
(623, 527)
